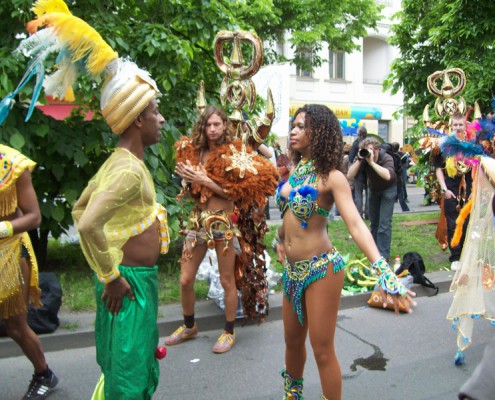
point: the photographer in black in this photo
(359, 183)
(382, 184)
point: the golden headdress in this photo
(245, 176)
(127, 89)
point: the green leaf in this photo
(121, 43)
(17, 141)
(42, 130)
(58, 212)
(80, 158)
(4, 79)
(150, 50)
(71, 195)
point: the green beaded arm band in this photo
(387, 279)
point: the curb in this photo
(77, 330)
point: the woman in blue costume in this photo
(312, 295)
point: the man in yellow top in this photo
(122, 231)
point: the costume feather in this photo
(80, 39)
(47, 6)
(487, 128)
(36, 44)
(59, 84)
(453, 146)
(76, 41)
(450, 167)
(459, 222)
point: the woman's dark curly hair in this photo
(198, 133)
(325, 135)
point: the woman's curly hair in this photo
(325, 135)
(198, 132)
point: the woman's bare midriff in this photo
(303, 244)
(143, 250)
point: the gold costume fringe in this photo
(11, 280)
(8, 201)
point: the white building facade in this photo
(352, 84)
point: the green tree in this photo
(312, 23)
(173, 40)
(433, 36)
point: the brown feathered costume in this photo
(249, 194)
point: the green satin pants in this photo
(126, 342)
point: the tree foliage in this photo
(313, 23)
(434, 36)
(173, 40)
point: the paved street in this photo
(384, 357)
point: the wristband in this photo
(380, 266)
(387, 279)
(110, 277)
(6, 229)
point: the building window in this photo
(383, 130)
(336, 65)
(306, 55)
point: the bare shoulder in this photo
(336, 181)
(336, 178)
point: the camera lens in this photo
(363, 153)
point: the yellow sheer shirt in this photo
(118, 203)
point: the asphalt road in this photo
(409, 357)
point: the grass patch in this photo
(76, 278)
(418, 238)
(70, 326)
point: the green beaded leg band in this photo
(292, 387)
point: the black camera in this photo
(364, 153)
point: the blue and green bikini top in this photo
(302, 199)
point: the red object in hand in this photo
(161, 352)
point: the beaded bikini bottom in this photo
(303, 273)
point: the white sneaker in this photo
(454, 265)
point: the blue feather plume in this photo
(304, 191)
(452, 146)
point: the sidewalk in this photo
(77, 330)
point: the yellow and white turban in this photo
(126, 93)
